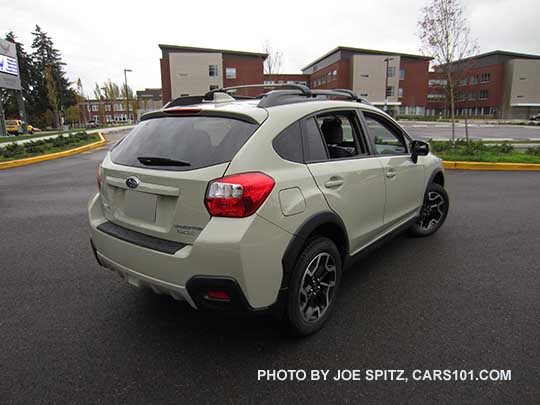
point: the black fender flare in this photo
(301, 236)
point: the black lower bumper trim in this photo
(140, 239)
(199, 286)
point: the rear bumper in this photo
(245, 251)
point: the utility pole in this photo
(387, 61)
(127, 93)
(3, 131)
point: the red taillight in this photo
(239, 195)
(98, 176)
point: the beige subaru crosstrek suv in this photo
(239, 204)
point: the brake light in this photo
(98, 176)
(182, 110)
(239, 195)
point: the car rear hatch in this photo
(154, 181)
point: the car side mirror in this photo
(419, 148)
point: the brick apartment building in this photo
(363, 71)
(496, 84)
(105, 111)
(187, 70)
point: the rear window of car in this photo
(11, 123)
(197, 141)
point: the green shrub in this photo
(504, 147)
(534, 150)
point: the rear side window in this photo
(288, 144)
(182, 143)
(314, 149)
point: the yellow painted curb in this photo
(490, 166)
(56, 155)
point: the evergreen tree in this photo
(45, 57)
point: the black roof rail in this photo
(354, 95)
(288, 93)
(303, 89)
(351, 93)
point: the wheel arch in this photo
(437, 177)
(327, 224)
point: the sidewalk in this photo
(103, 131)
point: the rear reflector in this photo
(239, 195)
(218, 295)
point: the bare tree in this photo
(446, 36)
(272, 64)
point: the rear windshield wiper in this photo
(161, 161)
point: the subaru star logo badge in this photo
(132, 182)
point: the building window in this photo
(108, 118)
(460, 96)
(437, 83)
(230, 73)
(436, 97)
(108, 107)
(473, 80)
(472, 95)
(94, 107)
(462, 82)
(401, 74)
(483, 95)
(213, 87)
(400, 92)
(118, 107)
(485, 77)
(334, 74)
(212, 70)
(268, 82)
(391, 71)
(389, 91)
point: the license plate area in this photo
(140, 205)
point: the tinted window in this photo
(201, 141)
(288, 144)
(314, 150)
(387, 139)
(340, 133)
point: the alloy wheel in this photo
(432, 211)
(317, 287)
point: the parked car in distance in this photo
(92, 124)
(16, 127)
(260, 204)
(535, 117)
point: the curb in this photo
(490, 166)
(56, 155)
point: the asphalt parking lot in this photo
(466, 298)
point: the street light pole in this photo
(127, 93)
(387, 61)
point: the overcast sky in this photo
(99, 38)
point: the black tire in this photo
(320, 259)
(434, 211)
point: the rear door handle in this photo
(334, 182)
(391, 173)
